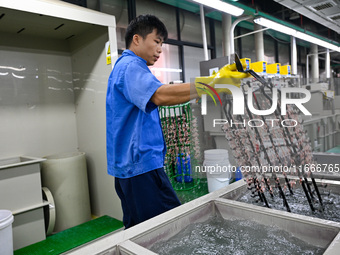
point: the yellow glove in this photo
(226, 75)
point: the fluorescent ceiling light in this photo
(275, 26)
(317, 41)
(287, 30)
(222, 6)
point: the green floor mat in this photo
(72, 237)
(201, 189)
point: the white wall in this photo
(37, 112)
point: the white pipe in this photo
(226, 24)
(307, 67)
(259, 45)
(250, 33)
(328, 64)
(311, 54)
(293, 55)
(232, 46)
(204, 35)
(315, 63)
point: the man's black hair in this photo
(144, 25)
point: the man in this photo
(135, 143)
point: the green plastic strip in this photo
(72, 237)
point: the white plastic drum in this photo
(65, 175)
(217, 167)
(6, 232)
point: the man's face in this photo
(150, 48)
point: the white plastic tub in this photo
(6, 233)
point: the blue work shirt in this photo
(134, 137)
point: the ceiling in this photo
(326, 12)
(321, 17)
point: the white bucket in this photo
(6, 234)
(217, 167)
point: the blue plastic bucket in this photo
(183, 168)
(238, 174)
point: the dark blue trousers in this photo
(145, 196)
